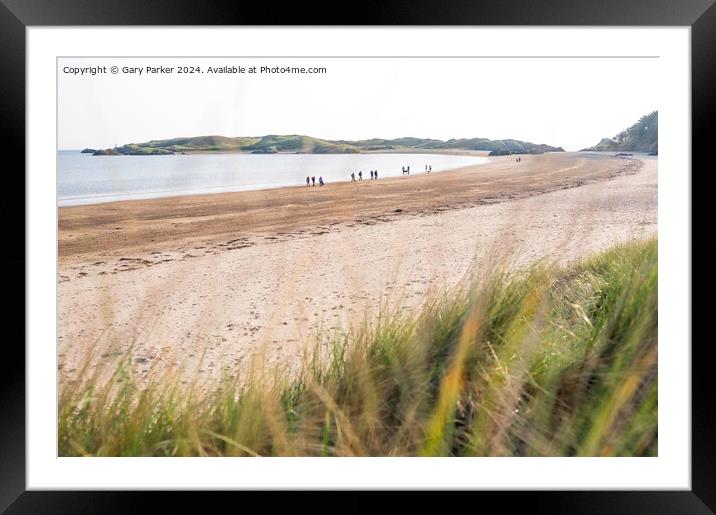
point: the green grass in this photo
(308, 144)
(545, 362)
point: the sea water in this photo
(88, 179)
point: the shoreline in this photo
(147, 225)
(230, 192)
(169, 194)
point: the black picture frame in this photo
(16, 15)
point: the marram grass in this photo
(545, 362)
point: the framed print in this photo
(439, 249)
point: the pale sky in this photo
(571, 103)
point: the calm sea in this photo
(88, 179)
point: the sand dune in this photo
(256, 273)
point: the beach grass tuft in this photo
(548, 361)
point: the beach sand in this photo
(214, 281)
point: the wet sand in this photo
(245, 274)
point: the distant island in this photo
(643, 136)
(273, 144)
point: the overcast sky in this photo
(571, 103)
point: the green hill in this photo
(272, 144)
(643, 136)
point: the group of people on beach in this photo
(312, 179)
(373, 175)
(406, 169)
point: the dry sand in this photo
(257, 273)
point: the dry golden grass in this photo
(545, 362)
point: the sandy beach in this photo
(235, 275)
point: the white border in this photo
(671, 470)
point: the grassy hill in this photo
(643, 136)
(272, 144)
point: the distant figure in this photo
(430, 168)
(426, 168)
(360, 175)
(320, 181)
(402, 168)
(376, 174)
(408, 170)
(308, 181)
(371, 175)
(353, 177)
(313, 179)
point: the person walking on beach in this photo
(430, 168)
(376, 175)
(313, 179)
(320, 180)
(371, 175)
(426, 168)
(308, 181)
(360, 175)
(353, 177)
(403, 168)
